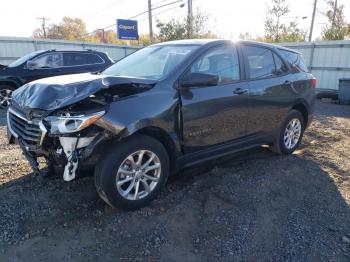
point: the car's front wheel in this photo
(132, 172)
(290, 135)
(5, 96)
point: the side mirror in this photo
(199, 80)
(31, 65)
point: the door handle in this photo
(240, 91)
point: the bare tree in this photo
(273, 25)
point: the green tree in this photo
(292, 33)
(337, 29)
(171, 30)
(180, 29)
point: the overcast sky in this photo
(227, 17)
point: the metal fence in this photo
(12, 48)
(328, 61)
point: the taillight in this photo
(313, 82)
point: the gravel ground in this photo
(248, 207)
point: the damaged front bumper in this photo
(66, 151)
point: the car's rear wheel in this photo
(132, 172)
(290, 135)
(5, 96)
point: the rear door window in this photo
(260, 62)
(78, 59)
(263, 62)
(295, 60)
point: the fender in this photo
(158, 110)
(11, 82)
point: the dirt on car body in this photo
(251, 206)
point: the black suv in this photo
(42, 64)
(163, 108)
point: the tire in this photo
(280, 146)
(53, 170)
(5, 94)
(113, 166)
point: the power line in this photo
(155, 8)
(159, 2)
(105, 8)
(166, 10)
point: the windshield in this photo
(24, 58)
(154, 62)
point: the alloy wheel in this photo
(292, 133)
(5, 98)
(138, 175)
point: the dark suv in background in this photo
(48, 63)
(163, 108)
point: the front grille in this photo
(27, 131)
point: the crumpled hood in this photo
(56, 92)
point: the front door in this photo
(217, 114)
(46, 65)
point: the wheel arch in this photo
(10, 83)
(163, 137)
(302, 108)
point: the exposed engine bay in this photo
(60, 122)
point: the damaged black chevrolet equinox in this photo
(163, 108)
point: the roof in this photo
(70, 50)
(217, 41)
(192, 42)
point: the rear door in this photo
(217, 114)
(271, 88)
(82, 62)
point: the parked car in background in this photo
(48, 63)
(161, 109)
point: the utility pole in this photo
(150, 20)
(334, 12)
(312, 21)
(189, 18)
(103, 35)
(44, 19)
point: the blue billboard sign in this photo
(127, 29)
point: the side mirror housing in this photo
(199, 80)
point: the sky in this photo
(227, 18)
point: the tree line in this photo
(275, 29)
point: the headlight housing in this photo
(71, 124)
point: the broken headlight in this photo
(69, 124)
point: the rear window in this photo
(295, 60)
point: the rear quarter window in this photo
(295, 60)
